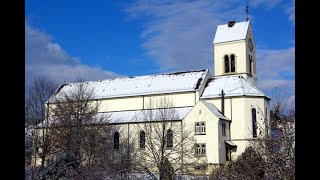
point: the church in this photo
(225, 111)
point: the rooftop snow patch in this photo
(225, 33)
(231, 86)
(131, 116)
(141, 115)
(142, 85)
(215, 110)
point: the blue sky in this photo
(108, 39)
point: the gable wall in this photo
(211, 138)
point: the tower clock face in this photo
(250, 44)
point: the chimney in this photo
(231, 23)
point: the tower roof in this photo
(238, 31)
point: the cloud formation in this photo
(265, 3)
(275, 70)
(178, 35)
(291, 12)
(44, 57)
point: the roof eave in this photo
(221, 42)
(237, 95)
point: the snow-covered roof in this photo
(214, 110)
(140, 115)
(142, 85)
(225, 33)
(131, 116)
(231, 86)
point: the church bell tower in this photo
(235, 51)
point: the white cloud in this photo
(178, 35)
(291, 12)
(275, 70)
(272, 64)
(48, 58)
(265, 3)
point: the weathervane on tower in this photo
(247, 10)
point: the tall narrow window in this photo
(226, 64)
(266, 122)
(203, 128)
(223, 125)
(250, 64)
(142, 139)
(169, 138)
(233, 63)
(203, 149)
(254, 122)
(116, 137)
(197, 128)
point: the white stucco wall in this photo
(241, 116)
(121, 104)
(238, 48)
(141, 102)
(178, 99)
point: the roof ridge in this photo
(140, 76)
(251, 84)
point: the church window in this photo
(230, 63)
(226, 64)
(266, 122)
(200, 149)
(169, 138)
(254, 122)
(116, 137)
(223, 125)
(142, 139)
(250, 64)
(200, 128)
(233, 63)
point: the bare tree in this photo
(278, 149)
(164, 142)
(78, 134)
(36, 95)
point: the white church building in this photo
(225, 111)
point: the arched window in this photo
(233, 63)
(169, 138)
(116, 137)
(142, 139)
(226, 64)
(203, 149)
(200, 149)
(254, 122)
(250, 64)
